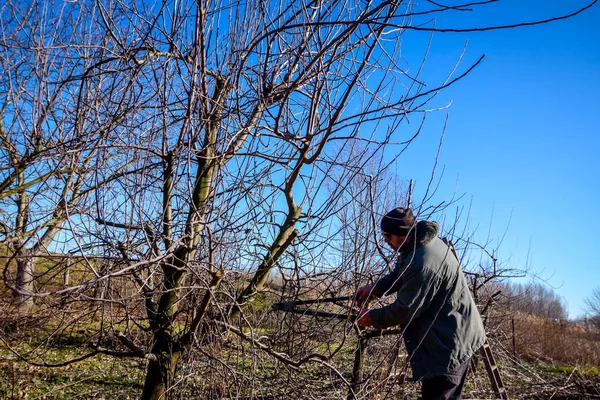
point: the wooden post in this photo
(514, 337)
(357, 368)
(67, 273)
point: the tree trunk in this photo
(161, 370)
(160, 373)
(25, 279)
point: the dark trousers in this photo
(446, 387)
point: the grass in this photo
(105, 377)
(233, 368)
(37, 339)
(555, 369)
(589, 370)
(91, 378)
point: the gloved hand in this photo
(365, 293)
(364, 319)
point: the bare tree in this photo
(57, 106)
(242, 126)
(198, 146)
(592, 303)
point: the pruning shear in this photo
(292, 307)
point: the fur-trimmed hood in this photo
(425, 232)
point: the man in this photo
(441, 324)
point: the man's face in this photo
(394, 241)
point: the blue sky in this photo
(522, 137)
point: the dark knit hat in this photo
(399, 221)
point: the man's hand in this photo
(365, 293)
(364, 319)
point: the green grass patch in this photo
(123, 378)
(555, 369)
(589, 370)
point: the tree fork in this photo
(285, 238)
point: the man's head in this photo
(397, 226)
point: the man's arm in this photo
(389, 283)
(414, 296)
(383, 286)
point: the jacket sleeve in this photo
(419, 286)
(389, 283)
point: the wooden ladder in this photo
(492, 370)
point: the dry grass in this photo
(549, 359)
(545, 340)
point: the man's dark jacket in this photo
(442, 327)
